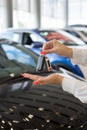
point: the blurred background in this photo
(25, 25)
(39, 13)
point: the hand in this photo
(54, 46)
(43, 80)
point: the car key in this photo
(41, 61)
(48, 64)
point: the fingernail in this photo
(43, 53)
(24, 75)
(35, 82)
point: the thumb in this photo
(41, 81)
(48, 51)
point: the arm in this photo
(79, 56)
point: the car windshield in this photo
(49, 35)
(15, 60)
(14, 53)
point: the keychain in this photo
(43, 60)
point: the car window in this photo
(27, 39)
(16, 37)
(73, 33)
(36, 38)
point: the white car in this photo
(80, 32)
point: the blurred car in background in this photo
(24, 37)
(79, 32)
(34, 40)
(37, 37)
(24, 106)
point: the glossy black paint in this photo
(24, 106)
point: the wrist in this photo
(70, 52)
(59, 79)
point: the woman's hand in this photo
(54, 46)
(43, 80)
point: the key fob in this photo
(48, 64)
(40, 63)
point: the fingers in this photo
(44, 80)
(47, 45)
(37, 79)
(30, 76)
(54, 46)
(50, 47)
(35, 83)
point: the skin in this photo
(56, 47)
(51, 47)
(43, 80)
